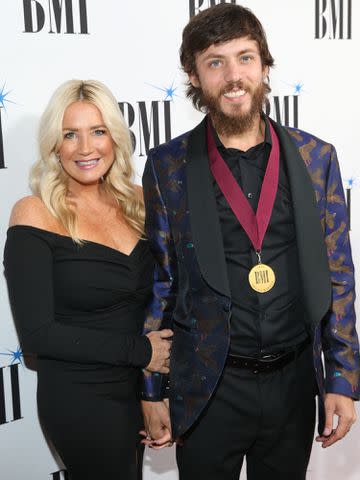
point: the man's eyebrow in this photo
(221, 55)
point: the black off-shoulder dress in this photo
(81, 310)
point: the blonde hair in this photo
(48, 179)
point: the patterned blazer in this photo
(191, 290)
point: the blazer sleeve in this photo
(339, 337)
(160, 310)
(28, 261)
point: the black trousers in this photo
(267, 417)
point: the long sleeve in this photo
(28, 261)
(159, 313)
(340, 341)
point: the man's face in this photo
(231, 77)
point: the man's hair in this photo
(218, 24)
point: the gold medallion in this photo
(262, 278)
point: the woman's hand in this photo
(161, 347)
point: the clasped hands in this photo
(157, 433)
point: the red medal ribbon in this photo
(255, 226)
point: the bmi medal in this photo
(261, 276)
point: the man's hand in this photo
(343, 407)
(157, 431)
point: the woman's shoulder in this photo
(31, 211)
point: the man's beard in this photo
(236, 122)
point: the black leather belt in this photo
(266, 363)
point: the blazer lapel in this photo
(312, 253)
(204, 220)
(206, 232)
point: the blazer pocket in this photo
(185, 328)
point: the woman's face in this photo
(87, 151)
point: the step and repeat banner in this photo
(132, 46)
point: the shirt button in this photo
(250, 195)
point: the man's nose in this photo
(234, 71)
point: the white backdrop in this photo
(132, 46)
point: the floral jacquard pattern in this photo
(199, 315)
(339, 338)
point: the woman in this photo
(79, 276)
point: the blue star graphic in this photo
(3, 98)
(170, 91)
(16, 355)
(298, 88)
(350, 182)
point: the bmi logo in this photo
(333, 19)
(195, 6)
(2, 159)
(3, 99)
(10, 405)
(284, 110)
(349, 184)
(60, 475)
(149, 123)
(58, 16)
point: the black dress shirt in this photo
(271, 321)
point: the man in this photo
(254, 300)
